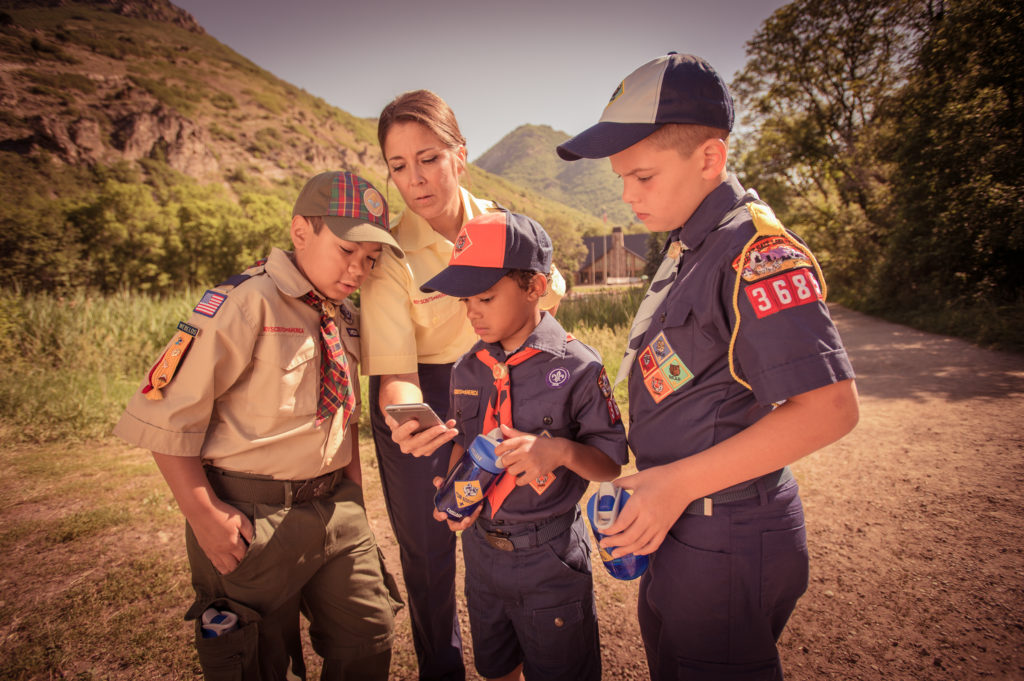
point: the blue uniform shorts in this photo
(533, 605)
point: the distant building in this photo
(615, 258)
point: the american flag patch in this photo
(210, 303)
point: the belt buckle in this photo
(499, 541)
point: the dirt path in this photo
(916, 519)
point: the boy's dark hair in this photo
(316, 222)
(686, 137)
(524, 277)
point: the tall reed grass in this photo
(69, 364)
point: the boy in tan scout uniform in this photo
(251, 414)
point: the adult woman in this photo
(410, 340)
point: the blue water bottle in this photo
(218, 622)
(602, 509)
(465, 485)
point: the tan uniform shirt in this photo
(245, 396)
(401, 325)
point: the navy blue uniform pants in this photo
(426, 547)
(720, 589)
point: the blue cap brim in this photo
(464, 281)
(605, 139)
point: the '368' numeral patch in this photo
(797, 287)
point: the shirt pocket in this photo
(286, 376)
(538, 415)
(430, 313)
(469, 412)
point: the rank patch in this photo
(660, 347)
(664, 372)
(542, 483)
(647, 362)
(210, 303)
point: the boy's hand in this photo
(223, 534)
(454, 526)
(654, 506)
(526, 456)
(422, 444)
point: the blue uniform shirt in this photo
(561, 392)
(682, 396)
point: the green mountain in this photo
(527, 156)
(145, 154)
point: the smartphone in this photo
(414, 410)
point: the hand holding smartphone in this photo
(414, 410)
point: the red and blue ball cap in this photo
(676, 88)
(351, 207)
(487, 248)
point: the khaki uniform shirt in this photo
(245, 396)
(401, 325)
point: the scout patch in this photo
(210, 303)
(541, 484)
(614, 415)
(556, 377)
(770, 255)
(663, 371)
(165, 368)
(354, 333)
(784, 291)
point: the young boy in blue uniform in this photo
(529, 587)
(735, 370)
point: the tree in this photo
(816, 76)
(957, 140)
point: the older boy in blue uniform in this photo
(529, 587)
(251, 414)
(735, 370)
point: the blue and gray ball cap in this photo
(676, 88)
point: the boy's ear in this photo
(538, 287)
(300, 231)
(714, 153)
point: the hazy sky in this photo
(498, 63)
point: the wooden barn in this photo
(615, 258)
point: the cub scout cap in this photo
(676, 88)
(351, 207)
(487, 248)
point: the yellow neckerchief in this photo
(765, 224)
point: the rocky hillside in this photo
(103, 99)
(121, 80)
(527, 156)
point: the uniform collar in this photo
(548, 336)
(286, 275)
(416, 233)
(705, 219)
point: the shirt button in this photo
(662, 318)
(547, 420)
(559, 622)
(458, 413)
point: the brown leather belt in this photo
(233, 486)
(526, 535)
